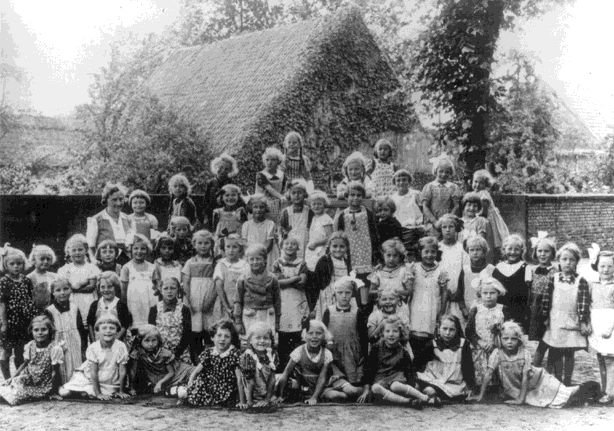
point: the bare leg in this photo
(430, 392)
(609, 365)
(389, 396)
(569, 358)
(334, 395)
(351, 390)
(408, 391)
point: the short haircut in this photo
(273, 152)
(386, 201)
(257, 198)
(138, 193)
(46, 320)
(107, 318)
(260, 326)
(484, 175)
(139, 238)
(104, 244)
(215, 164)
(402, 173)
(472, 197)
(227, 325)
(357, 186)
(110, 189)
(395, 245)
(181, 180)
(513, 239)
(482, 282)
(477, 241)
(318, 195)
(41, 250)
(110, 277)
(428, 241)
(77, 239)
(458, 222)
(328, 336)
(256, 250)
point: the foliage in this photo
(606, 171)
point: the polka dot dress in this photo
(217, 383)
(17, 295)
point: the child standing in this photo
(354, 170)
(441, 196)
(388, 304)
(291, 273)
(473, 223)
(394, 273)
(566, 305)
(260, 230)
(382, 168)
(453, 258)
(109, 302)
(477, 250)
(482, 182)
(181, 232)
(296, 219)
(106, 257)
(408, 212)
(271, 182)
(229, 218)
(165, 266)
(320, 230)
(142, 222)
(39, 375)
(388, 227)
(16, 309)
(42, 257)
(224, 169)
(296, 165)
(227, 272)
(137, 281)
(181, 202)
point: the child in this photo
(106, 257)
(153, 367)
(296, 218)
(427, 301)
(181, 202)
(446, 365)
(359, 225)
(291, 273)
(229, 218)
(473, 223)
(408, 212)
(137, 281)
(16, 309)
(173, 320)
(484, 316)
(81, 274)
(390, 371)
(453, 258)
(544, 252)
(520, 381)
(440, 196)
(216, 378)
(181, 232)
(476, 248)
(39, 375)
(388, 304)
(331, 267)
(259, 230)
(224, 169)
(382, 169)
(165, 266)
(42, 257)
(320, 230)
(109, 302)
(393, 274)
(258, 365)
(513, 274)
(354, 170)
(271, 182)
(566, 305)
(309, 367)
(258, 297)
(103, 374)
(226, 273)
(602, 320)
(482, 182)
(388, 227)
(142, 222)
(200, 291)
(296, 165)
(69, 331)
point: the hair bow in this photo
(541, 234)
(593, 252)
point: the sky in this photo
(61, 43)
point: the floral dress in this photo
(357, 231)
(217, 382)
(482, 320)
(170, 325)
(16, 295)
(382, 178)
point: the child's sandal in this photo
(606, 399)
(434, 401)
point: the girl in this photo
(271, 182)
(393, 274)
(382, 168)
(354, 170)
(427, 301)
(81, 274)
(216, 378)
(181, 232)
(512, 273)
(320, 230)
(484, 317)
(408, 212)
(473, 223)
(137, 281)
(520, 381)
(602, 320)
(331, 267)
(258, 298)
(200, 292)
(227, 272)
(181, 202)
(566, 306)
(106, 257)
(165, 266)
(103, 374)
(482, 182)
(358, 224)
(544, 252)
(39, 375)
(42, 257)
(16, 308)
(173, 320)
(476, 248)
(390, 371)
(153, 367)
(291, 273)
(229, 218)
(258, 365)
(224, 169)
(259, 230)
(446, 364)
(388, 304)
(440, 196)
(109, 302)
(309, 368)
(69, 331)
(142, 222)
(296, 165)
(388, 227)
(296, 219)
(453, 258)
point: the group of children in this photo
(419, 302)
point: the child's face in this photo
(317, 206)
(14, 265)
(489, 296)
(355, 171)
(260, 341)
(40, 333)
(297, 196)
(513, 253)
(293, 145)
(392, 258)
(61, 292)
(107, 254)
(478, 185)
(43, 262)
(429, 254)
(383, 152)
(314, 337)
(232, 250)
(182, 231)
(476, 254)
(343, 296)
(388, 302)
(391, 334)
(509, 341)
(256, 263)
(290, 248)
(606, 267)
(139, 252)
(179, 190)
(259, 210)
(230, 198)
(271, 163)
(448, 230)
(338, 248)
(138, 205)
(107, 332)
(150, 343)
(447, 330)
(568, 262)
(169, 291)
(77, 253)
(402, 183)
(443, 174)
(202, 246)
(166, 251)
(383, 212)
(355, 199)
(222, 339)
(471, 209)
(224, 169)
(107, 290)
(544, 254)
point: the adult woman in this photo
(110, 223)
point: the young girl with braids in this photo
(296, 165)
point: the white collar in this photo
(215, 352)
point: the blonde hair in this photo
(256, 250)
(385, 201)
(260, 326)
(147, 329)
(60, 281)
(257, 197)
(181, 180)
(510, 325)
(273, 152)
(395, 245)
(355, 157)
(41, 250)
(328, 336)
(513, 239)
(107, 318)
(548, 242)
(111, 277)
(139, 238)
(319, 195)
(395, 321)
(572, 248)
(483, 282)
(180, 221)
(215, 164)
(293, 134)
(383, 142)
(76, 239)
(477, 240)
(442, 162)
(485, 176)
(205, 235)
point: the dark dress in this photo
(217, 383)
(538, 288)
(17, 298)
(389, 228)
(517, 297)
(386, 365)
